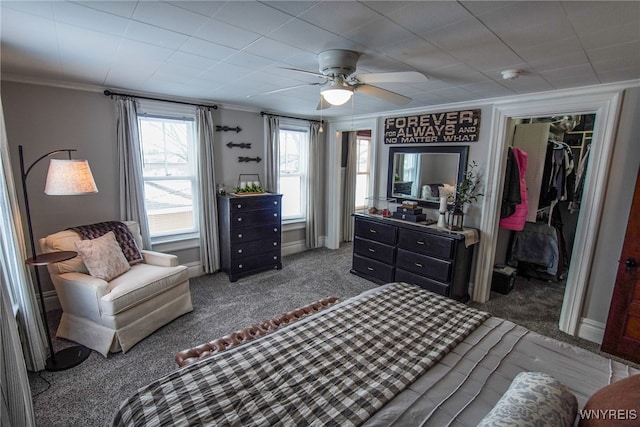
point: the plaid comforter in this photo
(336, 368)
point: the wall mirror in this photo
(421, 174)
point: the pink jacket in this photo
(518, 218)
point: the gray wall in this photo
(44, 118)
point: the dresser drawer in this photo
(253, 202)
(248, 248)
(371, 267)
(424, 282)
(248, 234)
(426, 243)
(375, 231)
(423, 265)
(263, 260)
(375, 250)
(262, 216)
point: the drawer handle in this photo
(240, 236)
(239, 219)
(370, 268)
(275, 243)
(371, 230)
(275, 257)
(371, 250)
(239, 265)
(419, 265)
(275, 215)
(239, 251)
(275, 202)
(420, 242)
(275, 230)
(239, 206)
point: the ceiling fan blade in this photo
(285, 89)
(396, 77)
(387, 95)
(313, 73)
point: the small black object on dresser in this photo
(250, 230)
(387, 250)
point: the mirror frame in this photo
(462, 150)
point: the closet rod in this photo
(111, 93)
(263, 113)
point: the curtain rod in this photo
(263, 113)
(111, 93)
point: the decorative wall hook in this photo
(227, 128)
(241, 145)
(249, 159)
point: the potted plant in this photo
(467, 192)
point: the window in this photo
(292, 182)
(363, 150)
(169, 173)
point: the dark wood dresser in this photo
(387, 250)
(250, 230)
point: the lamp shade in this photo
(69, 177)
(338, 93)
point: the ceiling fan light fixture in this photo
(338, 93)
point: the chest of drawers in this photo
(250, 229)
(387, 250)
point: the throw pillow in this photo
(533, 399)
(617, 404)
(103, 256)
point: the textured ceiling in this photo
(229, 52)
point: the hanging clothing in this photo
(517, 220)
(558, 177)
(579, 185)
(511, 190)
(538, 244)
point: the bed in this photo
(394, 355)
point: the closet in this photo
(555, 152)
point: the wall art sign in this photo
(452, 126)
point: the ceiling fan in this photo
(337, 68)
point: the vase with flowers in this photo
(467, 192)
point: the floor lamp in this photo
(64, 178)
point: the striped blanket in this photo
(334, 368)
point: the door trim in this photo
(606, 106)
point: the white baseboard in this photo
(591, 330)
(298, 246)
(293, 247)
(51, 300)
(194, 268)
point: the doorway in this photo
(335, 172)
(356, 176)
(605, 105)
(537, 246)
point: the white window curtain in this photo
(272, 146)
(349, 199)
(17, 406)
(208, 214)
(16, 289)
(16, 274)
(314, 186)
(130, 167)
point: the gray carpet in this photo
(89, 394)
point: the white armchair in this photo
(113, 316)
